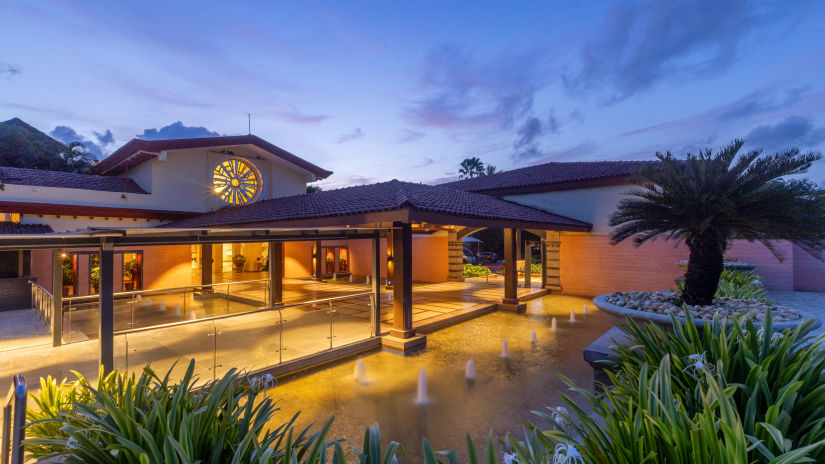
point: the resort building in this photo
(211, 248)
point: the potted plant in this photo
(239, 260)
(131, 270)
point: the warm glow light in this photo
(235, 181)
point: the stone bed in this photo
(667, 302)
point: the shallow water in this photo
(500, 398)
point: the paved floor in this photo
(812, 303)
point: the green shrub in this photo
(535, 268)
(738, 285)
(729, 394)
(151, 420)
(471, 270)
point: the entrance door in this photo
(336, 260)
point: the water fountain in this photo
(533, 338)
(553, 324)
(177, 309)
(470, 370)
(585, 308)
(162, 306)
(505, 353)
(138, 298)
(361, 371)
(422, 399)
(572, 315)
(192, 315)
(148, 301)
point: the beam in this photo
(276, 273)
(57, 297)
(106, 328)
(376, 285)
(402, 285)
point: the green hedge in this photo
(471, 270)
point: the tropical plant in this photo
(739, 285)
(472, 270)
(471, 167)
(150, 419)
(489, 170)
(707, 200)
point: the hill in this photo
(23, 146)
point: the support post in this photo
(57, 297)
(390, 262)
(319, 260)
(376, 285)
(402, 287)
(510, 300)
(552, 264)
(528, 262)
(276, 273)
(518, 245)
(206, 266)
(106, 328)
(543, 263)
(455, 257)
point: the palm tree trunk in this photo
(704, 269)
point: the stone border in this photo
(618, 314)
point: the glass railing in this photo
(149, 308)
(251, 340)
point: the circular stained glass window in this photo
(236, 181)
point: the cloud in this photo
(105, 138)
(295, 116)
(463, 92)
(409, 136)
(794, 131)
(648, 41)
(68, 135)
(357, 133)
(10, 70)
(526, 145)
(177, 130)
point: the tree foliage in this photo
(707, 200)
(23, 146)
(474, 167)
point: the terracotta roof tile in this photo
(42, 178)
(16, 228)
(385, 196)
(551, 175)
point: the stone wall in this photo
(15, 294)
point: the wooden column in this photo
(106, 327)
(543, 263)
(455, 257)
(510, 271)
(206, 265)
(57, 300)
(402, 286)
(319, 261)
(552, 262)
(376, 285)
(528, 262)
(276, 273)
(390, 264)
(518, 245)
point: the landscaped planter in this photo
(619, 314)
(730, 265)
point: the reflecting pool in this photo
(500, 398)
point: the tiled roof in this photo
(138, 151)
(551, 175)
(385, 196)
(42, 178)
(16, 228)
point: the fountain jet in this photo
(572, 315)
(533, 337)
(177, 309)
(470, 370)
(361, 371)
(162, 306)
(422, 399)
(192, 315)
(505, 353)
(585, 308)
(553, 324)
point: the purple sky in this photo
(382, 90)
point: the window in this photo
(132, 271)
(236, 181)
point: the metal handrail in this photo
(42, 301)
(48, 293)
(225, 316)
(163, 290)
(13, 437)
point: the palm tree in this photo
(707, 200)
(490, 170)
(471, 167)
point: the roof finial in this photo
(249, 122)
